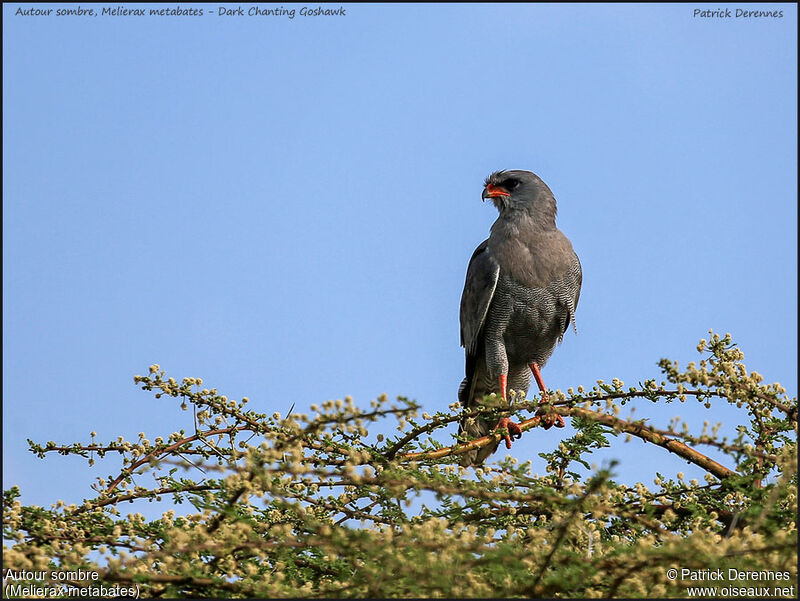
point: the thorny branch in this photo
(311, 507)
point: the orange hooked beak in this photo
(493, 191)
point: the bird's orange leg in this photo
(553, 419)
(513, 429)
(503, 385)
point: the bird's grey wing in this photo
(482, 275)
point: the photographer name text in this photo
(739, 13)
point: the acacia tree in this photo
(312, 505)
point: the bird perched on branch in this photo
(519, 298)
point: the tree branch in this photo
(637, 429)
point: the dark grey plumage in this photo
(520, 295)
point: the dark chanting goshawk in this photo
(520, 296)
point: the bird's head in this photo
(518, 190)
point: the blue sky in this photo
(286, 207)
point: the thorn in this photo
(192, 462)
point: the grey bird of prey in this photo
(520, 296)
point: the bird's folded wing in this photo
(482, 275)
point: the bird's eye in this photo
(510, 184)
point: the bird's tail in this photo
(470, 393)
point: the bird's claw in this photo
(548, 420)
(513, 430)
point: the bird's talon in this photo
(513, 429)
(548, 420)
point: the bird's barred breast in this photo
(530, 321)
